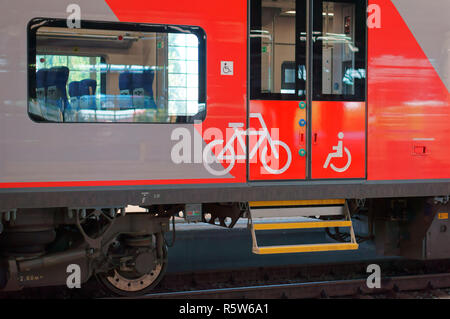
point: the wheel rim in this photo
(134, 284)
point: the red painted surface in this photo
(282, 119)
(225, 25)
(408, 105)
(328, 120)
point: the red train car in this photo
(216, 109)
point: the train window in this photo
(339, 50)
(116, 72)
(277, 60)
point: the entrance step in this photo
(343, 212)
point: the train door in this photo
(307, 110)
(338, 108)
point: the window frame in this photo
(36, 23)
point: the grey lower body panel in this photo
(204, 193)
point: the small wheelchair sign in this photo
(339, 153)
(226, 67)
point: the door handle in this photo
(315, 138)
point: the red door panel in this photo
(283, 120)
(338, 140)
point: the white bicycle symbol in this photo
(339, 154)
(209, 158)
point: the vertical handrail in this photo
(349, 218)
(255, 247)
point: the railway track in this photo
(430, 285)
(342, 280)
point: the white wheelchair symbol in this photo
(338, 154)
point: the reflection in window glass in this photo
(277, 45)
(277, 49)
(93, 75)
(183, 63)
(339, 50)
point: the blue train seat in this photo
(57, 101)
(56, 85)
(125, 79)
(125, 99)
(142, 85)
(41, 93)
(41, 83)
(70, 114)
(74, 93)
(87, 89)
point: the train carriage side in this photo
(219, 111)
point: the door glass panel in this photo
(339, 52)
(338, 47)
(278, 49)
(274, 68)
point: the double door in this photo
(307, 90)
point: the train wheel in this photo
(133, 283)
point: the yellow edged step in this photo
(346, 222)
(314, 202)
(303, 225)
(304, 248)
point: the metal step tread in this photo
(302, 225)
(310, 211)
(319, 202)
(304, 248)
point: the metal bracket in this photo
(95, 243)
(13, 282)
(222, 215)
(360, 202)
(442, 199)
(8, 216)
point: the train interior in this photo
(93, 75)
(278, 21)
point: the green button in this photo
(302, 105)
(302, 152)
